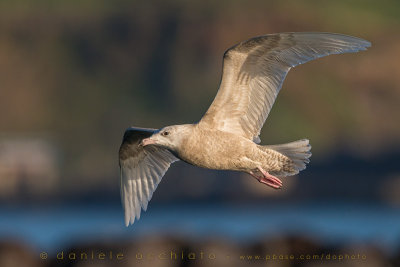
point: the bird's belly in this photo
(208, 161)
(216, 153)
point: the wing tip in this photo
(130, 220)
(357, 43)
(127, 221)
(362, 44)
(366, 44)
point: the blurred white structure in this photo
(28, 166)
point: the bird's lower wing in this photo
(253, 73)
(141, 170)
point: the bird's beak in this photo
(147, 141)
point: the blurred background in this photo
(75, 74)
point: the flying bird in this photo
(227, 137)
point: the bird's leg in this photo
(267, 178)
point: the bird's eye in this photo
(166, 133)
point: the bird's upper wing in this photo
(141, 171)
(253, 73)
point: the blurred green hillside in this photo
(77, 73)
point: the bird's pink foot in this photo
(267, 178)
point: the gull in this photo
(227, 136)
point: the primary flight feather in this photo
(227, 136)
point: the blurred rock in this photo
(99, 254)
(157, 251)
(276, 252)
(353, 256)
(167, 251)
(218, 252)
(389, 190)
(396, 258)
(14, 254)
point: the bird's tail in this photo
(298, 151)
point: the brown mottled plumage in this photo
(227, 136)
(226, 151)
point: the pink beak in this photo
(147, 141)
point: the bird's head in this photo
(169, 137)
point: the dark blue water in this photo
(54, 228)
